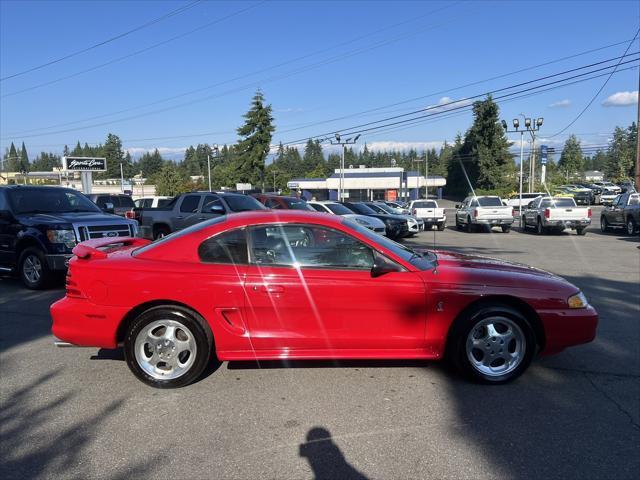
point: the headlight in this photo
(577, 301)
(68, 237)
(361, 221)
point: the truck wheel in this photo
(470, 228)
(159, 232)
(506, 228)
(539, 228)
(440, 226)
(581, 231)
(604, 225)
(523, 224)
(458, 224)
(33, 269)
(631, 226)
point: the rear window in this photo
(424, 205)
(489, 202)
(242, 203)
(297, 204)
(124, 201)
(163, 202)
(558, 202)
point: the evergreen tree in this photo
(313, 158)
(115, 157)
(171, 180)
(11, 159)
(255, 140)
(571, 161)
(621, 154)
(150, 163)
(46, 162)
(24, 159)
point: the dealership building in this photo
(361, 183)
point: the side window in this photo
(271, 203)
(229, 247)
(148, 203)
(318, 208)
(308, 246)
(210, 201)
(190, 204)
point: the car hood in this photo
(69, 217)
(477, 262)
(369, 220)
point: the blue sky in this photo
(314, 61)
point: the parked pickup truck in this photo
(625, 212)
(483, 212)
(547, 214)
(191, 208)
(429, 211)
(40, 225)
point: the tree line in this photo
(480, 158)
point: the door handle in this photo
(270, 288)
(179, 217)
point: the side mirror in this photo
(382, 265)
(6, 215)
(108, 207)
(458, 205)
(219, 209)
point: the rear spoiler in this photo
(91, 248)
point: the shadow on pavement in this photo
(325, 458)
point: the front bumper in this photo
(58, 262)
(565, 328)
(82, 322)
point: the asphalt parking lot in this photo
(80, 413)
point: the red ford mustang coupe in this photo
(297, 285)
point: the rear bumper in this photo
(567, 223)
(492, 221)
(565, 328)
(433, 220)
(81, 322)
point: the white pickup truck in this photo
(556, 213)
(429, 211)
(483, 212)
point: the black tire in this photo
(194, 324)
(523, 224)
(506, 228)
(581, 231)
(458, 224)
(604, 225)
(468, 321)
(440, 226)
(631, 226)
(160, 231)
(32, 260)
(540, 230)
(469, 225)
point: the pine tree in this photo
(115, 157)
(11, 159)
(255, 141)
(24, 159)
(571, 160)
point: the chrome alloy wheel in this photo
(496, 346)
(165, 349)
(32, 268)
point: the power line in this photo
(599, 90)
(133, 54)
(177, 11)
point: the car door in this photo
(461, 212)
(531, 213)
(188, 212)
(617, 212)
(310, 289)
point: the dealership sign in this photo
(84, 164)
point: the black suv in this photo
(39, 226)
(119, 204)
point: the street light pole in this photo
(343, 143)
(215, 151)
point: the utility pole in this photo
(532, 128)
(215, 151)
(343, 143)
(638, 140)
(426, 176)
(121, 178)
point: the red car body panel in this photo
(269, 312)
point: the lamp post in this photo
(532, 128)
(215, 151)
(418, 161)
(343, 143)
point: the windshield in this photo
(242, 203)
(361, 209)
(338, 209)
(424, 205)
(489, 201)
(385, 208)
(297, 204)
(425, 261)
(50, 200)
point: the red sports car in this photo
(297, 285)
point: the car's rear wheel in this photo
(631, 226)
(604, 225)
(458, 224)
(492, 344)
(470, 228)
(33, 269)
(523, 223)
(506, 228)
(160, 232)
(168, 347)
(440, 226)
(539, 228)
(581, 231)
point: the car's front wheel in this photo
(33, 269)
(492, 344)
(604, 225)
(631, 226)
(168, 347)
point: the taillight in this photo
(475, 213)
(513, 212)
(130, 214)
(589, 212)
(414, 212)
(547, 212)
(72, 288)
